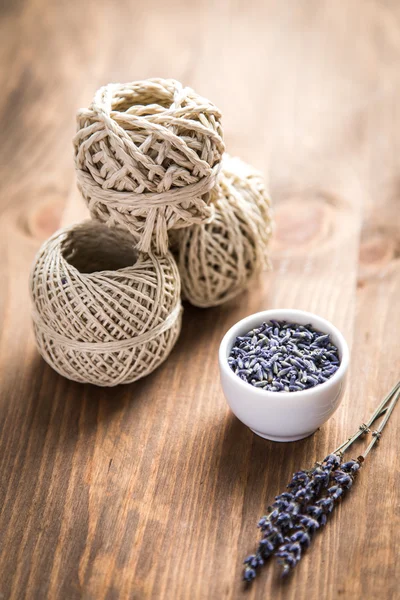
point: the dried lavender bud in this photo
(351, 466)
(249, 574)
(284, 357)
(289, 555)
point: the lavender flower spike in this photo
(287, 514)
(315, 515)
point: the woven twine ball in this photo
(103, 312)
(217, 260)
(147, 155)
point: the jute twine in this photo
(103, 312)
(217, 260)
(147, 155)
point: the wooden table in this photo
(153, 490)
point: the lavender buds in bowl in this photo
(284, 357)
(283, 372)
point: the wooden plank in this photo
(153, 490)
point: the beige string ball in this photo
(147, 155)
(216, 261)
(103, 312)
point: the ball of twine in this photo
(147, 155)
(103, 312)
(217, 260)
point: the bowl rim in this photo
(284, 314)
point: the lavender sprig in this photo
(287, 510)
(274, 525)
(315, 516)
(297, 514)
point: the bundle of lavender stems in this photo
(311, 496)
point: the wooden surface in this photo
(153, 490)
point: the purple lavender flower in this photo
(289, 513)
(274, 525)
(316, 515)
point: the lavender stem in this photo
(379, 411)
(377, 434)
(364, 428)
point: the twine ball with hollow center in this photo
(217, 260)
(147, 155)
(103, 312)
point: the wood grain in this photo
(153, 490)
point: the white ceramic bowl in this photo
(283, 416)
